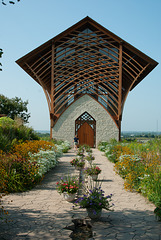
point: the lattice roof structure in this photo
(87, 59)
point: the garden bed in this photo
(139, 164)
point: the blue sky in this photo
(29, 23)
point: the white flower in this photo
(48, 159)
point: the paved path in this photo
(43, 214)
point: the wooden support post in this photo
(52, 110)
(120, 91)
(77, 66)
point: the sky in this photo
(30, 23)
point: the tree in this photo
(14, 107)
(1, 52)
(11, 2)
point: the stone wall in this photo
(105, 127)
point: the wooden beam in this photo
(43, 86)
(120, 91)
(52, 91)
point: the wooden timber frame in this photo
(87, 59)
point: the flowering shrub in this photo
(131, 169)
(62, 147)
(139, 165)
(59, 150)
(45, 160)
(19, 173)
(68, 184)
(23, 149)
(116, 151)
(150, 187)
(95, 199)
(102, 146)
(65, 146)
(26, 165)
(93, 170)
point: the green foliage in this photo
(5, 142)
(139, 165)
(11, 2)
(102, 146)
(27, 165)
(44, 136)
(95, 199)
(151, 187)
(106, 146)
(14, 108)
(63, 145)
(6, 122)
(92, 170)
(12, 131)
(1, 52)
(45, 160)
(68, 184)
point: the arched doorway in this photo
(85, 128)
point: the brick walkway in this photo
(43, 214)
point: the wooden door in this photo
(86, 135)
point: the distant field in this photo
(141, 136)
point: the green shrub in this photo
(12, 131)
(6, 122)
(139, 165)
(27, 164)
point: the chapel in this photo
(86, 73)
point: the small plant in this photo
(81, 151)
(3, 212)
(90, 158)
(87, 148)
(80, 163)
(80, 154)
(93, 170)
(69, 184)
(74, 162)
(157, 210)
(95, 199)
